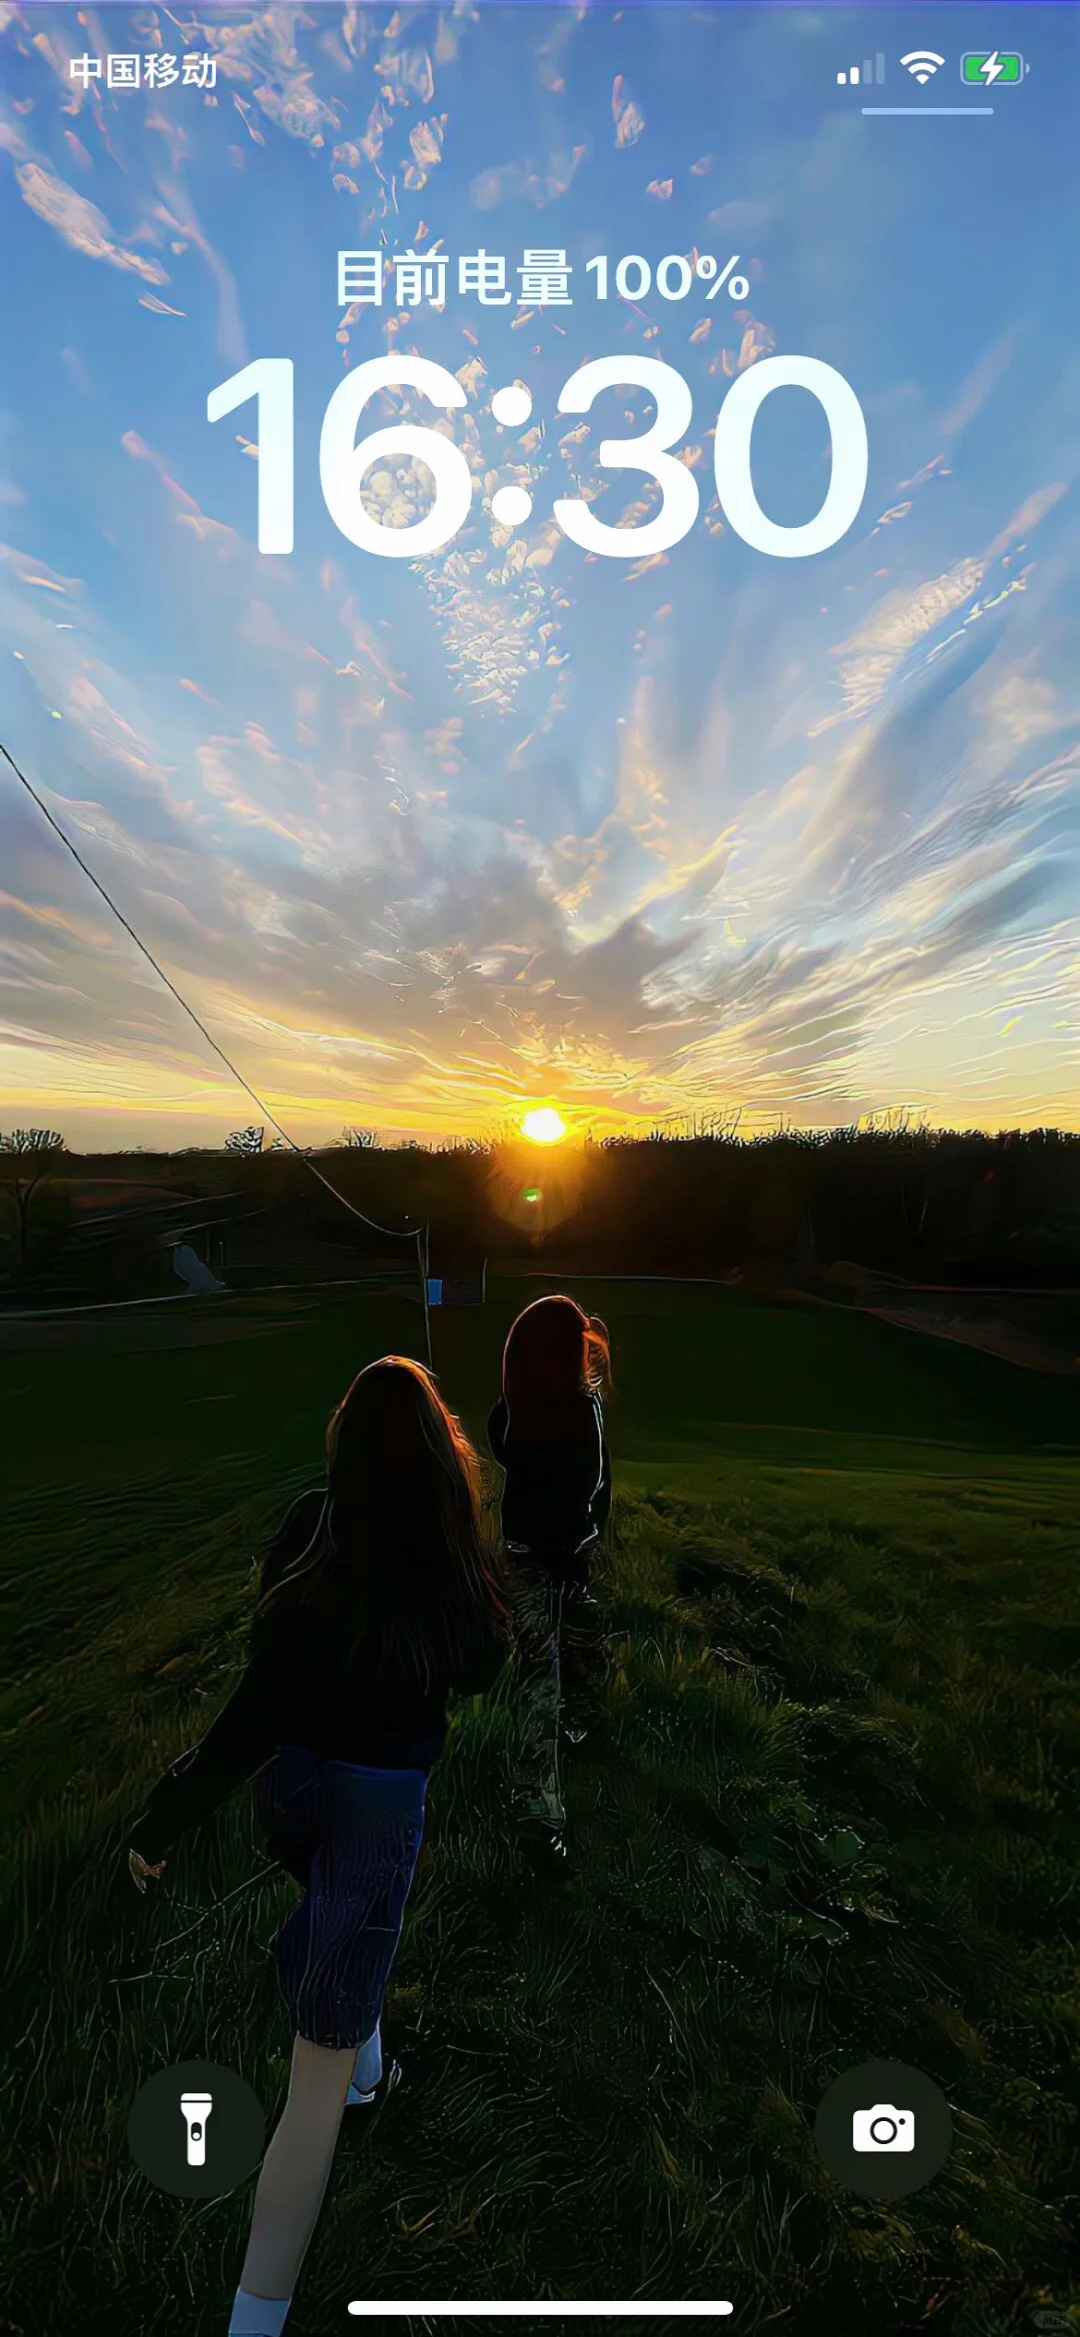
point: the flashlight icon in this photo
(195, 2110)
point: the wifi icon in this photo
(922, 63)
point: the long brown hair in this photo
(555, 1351)
(397, 1565)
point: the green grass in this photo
(830, 1814)
(701, 1371)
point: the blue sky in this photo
(429, 841)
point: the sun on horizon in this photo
(544, 1125)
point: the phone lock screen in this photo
(540, 1166)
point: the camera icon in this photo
(883, 2128)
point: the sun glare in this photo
(544, 1126)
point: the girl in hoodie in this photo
(377, 1604)
(546, 1433)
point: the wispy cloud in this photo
(422, 838)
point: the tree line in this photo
(935, 1205)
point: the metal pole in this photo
(425, 1262)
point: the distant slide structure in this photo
(192, 1271)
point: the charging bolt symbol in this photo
(195, 2110)
(987, 68)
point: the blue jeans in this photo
(352, 1837)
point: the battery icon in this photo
(992, 67)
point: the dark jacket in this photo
(557, 1489)
(299, 1689)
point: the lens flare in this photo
(544, 1126)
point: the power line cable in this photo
(391, 1232)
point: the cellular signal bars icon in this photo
(865, 73)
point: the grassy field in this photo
(831, 1813)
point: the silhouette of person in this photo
(546, 1433)
(377, 1602)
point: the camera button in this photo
(883, 2129)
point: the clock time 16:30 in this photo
(343, 460)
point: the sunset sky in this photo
(428, 842)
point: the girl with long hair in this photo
(546, 1432)
(377, 1602)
